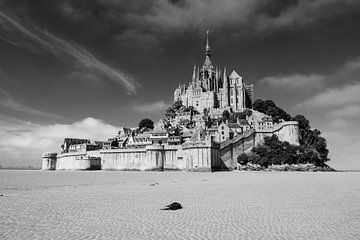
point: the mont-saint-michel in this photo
(213, 124)
(180, 119)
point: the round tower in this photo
(49, 161)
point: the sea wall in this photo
(231, 149)
(286, 131)
(49, 161)
(151, 157)
(202, 156)
(174, 158)
(78, 161)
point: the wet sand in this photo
(224, 205)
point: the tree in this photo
(177, 105)
(243, 159)
(269, 108)
(170, 113)
(115, 143)
(312, 139)
(225, 115)
(147, 123)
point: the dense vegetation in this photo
(312, 147)
(269, 108)
(146, 123)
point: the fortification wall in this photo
(150, 158)
(174, 158)
(286, 131)
(201, 156)
(231, 149)
(49, 161)
(77, 161)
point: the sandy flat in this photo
(224, 205)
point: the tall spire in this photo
(207, 49)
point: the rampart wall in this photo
(231, 149)
(78, 161)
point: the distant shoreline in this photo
(19, 168)
(38, 169)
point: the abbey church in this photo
(212, 88)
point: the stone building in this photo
(212, 88)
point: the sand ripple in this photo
(125, 205)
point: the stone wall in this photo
(202, 156)
(286, 131)
(77, 161)
(49, 161)
(231, 149)
(174, 158)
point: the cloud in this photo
(294, 81)
(258, 15)
(346, 111)
(7, 101)
(22, 143)
(130, 22)
(154, 107)
(335, 97)
(32, 38)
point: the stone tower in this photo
(225, 90)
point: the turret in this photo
(194, 74)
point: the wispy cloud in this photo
(335, 97)
(347, 74)
(157, 20)
(153, 107)
(294, 81)
(7, 101)
(29, 36)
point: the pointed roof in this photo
(207, 62)
(234, 75)
(207, 48)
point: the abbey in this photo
(212, 88)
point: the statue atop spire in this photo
(207, 62)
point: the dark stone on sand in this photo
(173, 206)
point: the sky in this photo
(84, 68)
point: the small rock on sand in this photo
(173, 206)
